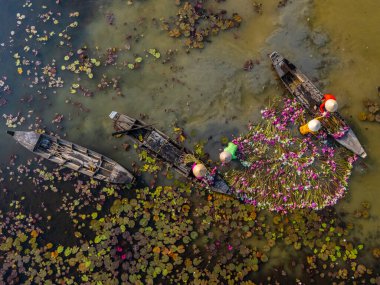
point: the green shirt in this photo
(232, 149)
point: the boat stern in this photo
(120, 175)
(277, 62)
(350, 141)
(276, 58)
(220, 186)
(27, 139)
(113, 115)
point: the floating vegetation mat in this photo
(283, 170)
(165, 235)
(161, 236)
(196, 23)
(372, 112)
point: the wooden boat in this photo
(73, 156)
(311, 98)
(163, 147)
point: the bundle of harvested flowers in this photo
(284, 171)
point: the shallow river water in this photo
(207, 92)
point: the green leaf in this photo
(67, 251)
(194, 235)
(60, 249)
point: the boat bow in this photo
(310, 97)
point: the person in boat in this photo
(201, 173)
(229, 153)
(311, 127)
(199, 170)
(329, 104)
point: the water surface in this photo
(207, 92)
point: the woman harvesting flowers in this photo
(283, 171)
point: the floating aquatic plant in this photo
(372, 112)
(196, 24)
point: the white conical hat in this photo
(314, 125)
(199, 171)
(225, 157)
(331, 105)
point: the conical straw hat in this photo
(225, 157)
(199, 171)
(331, 105)
(314, 125)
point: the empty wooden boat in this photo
(73, 156)
(163, 147)
(311, 98)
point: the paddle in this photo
(127, 131)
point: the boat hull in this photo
(163, 147)
(311, 98)
(74, 157)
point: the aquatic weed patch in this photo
(372, 111)
(166, 235)
(196, 24)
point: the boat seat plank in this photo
(164, 148)
(125, 123)
(80, 149)
(155, 141)
(71, 165)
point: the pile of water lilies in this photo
(283, 170)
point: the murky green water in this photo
(355, 41)
(207, 92)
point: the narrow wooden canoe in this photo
(73, 156)
(163, 147)
(311, 98)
